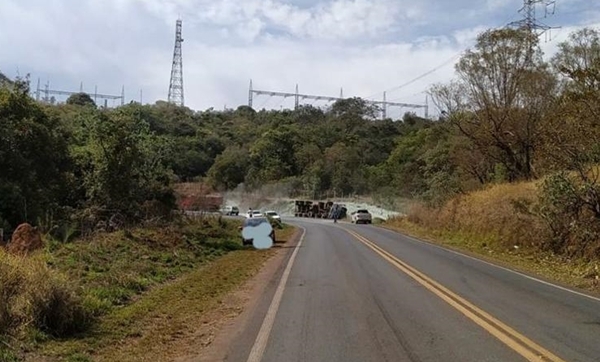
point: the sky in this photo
(365, 47)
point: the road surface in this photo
(362, 293)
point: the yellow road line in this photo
(507, 335)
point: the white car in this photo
(254, 213)
(230, 210)
(273, 215)
(361, 216)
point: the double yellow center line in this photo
(513, 339)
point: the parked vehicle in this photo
(253, 222)
(254, 213)
(361, 216)
(230, 210)
(274, 217)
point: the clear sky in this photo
(364, 46)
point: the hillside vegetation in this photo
(510, 116)
(512, 162)
(497, 224)
(530, 135)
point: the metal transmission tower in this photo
(176, 84)
(44, 94)
(298, 97)
(530, 21)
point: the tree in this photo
(81, 99)
(122, 164)
(578, 60)
(33, 158)
(351, 108)
(345, 169)
(573, 133)
(4, 81)
(308, 114)
(229, 169)
(272, 157)
(502, 95)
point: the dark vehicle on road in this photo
(253, 222)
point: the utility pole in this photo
(531, 24)
(176, 83)
(250, 94)
(384, 109)
(47, 92)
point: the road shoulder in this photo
(544, 267)
(240, 311)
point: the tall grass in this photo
(500, 214)
(34, 296)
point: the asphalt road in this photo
(362, 293)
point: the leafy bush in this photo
(570, 207)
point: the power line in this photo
(547, 3)
(435, 69)
(408, 96)
(265, 103)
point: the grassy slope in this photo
(151, 288)
(487, 224)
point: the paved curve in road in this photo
(362, 293)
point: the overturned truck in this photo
(319, 209)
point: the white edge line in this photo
(260, 344)
(494, 265)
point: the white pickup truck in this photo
(361, 216)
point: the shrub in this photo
(570, 206)
(33, 295)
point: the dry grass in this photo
(498, 213)
(34, 297)
(495, 224)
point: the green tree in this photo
(33, 159)
(4, 81)
(272, 157)
(122, 164)
(81, 99)
(229, 169)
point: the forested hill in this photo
(509, 115)
(344, 148)
(80, 162)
